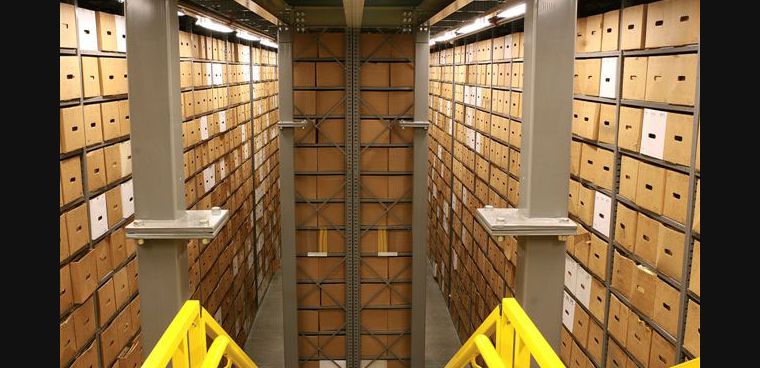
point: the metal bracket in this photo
(513, 221)
(413, 124)
(194, 224)
(292, 124)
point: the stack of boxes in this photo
(633, 164)
(229, 101)
(475, 114)
(99, 303)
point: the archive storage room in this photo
(379, 184)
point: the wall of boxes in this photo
(632, 273)
(99, 303)
(229, 96)
(229, 104)
(386, 77)
(474, 156)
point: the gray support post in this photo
(287, 202)
(419, 197)
(547, 101)
(154, 98)
(353, 177)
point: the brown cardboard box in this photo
(331, 215)
(330, 159)
(588, 119)
(113, 201)
(308, 295)
(581, 245)
(400, 159)
(374, 319)
(625, 226)
(373, 214)
(515, 133)
(103, 263)
(597, 304)
(109, 112)
(595, 342)
(96, 170)
(331, 320)
(678, 138)
(616, 358)
(90, 76)
(330, 75)
(629, 173)
(610, 30)
(70, 79)
(374, 159)
(106, 302)
(304, 74)
(109, 343)
(597, 258)
(402, 45)
(683, 17)
(659, 74)
(89, 358)
(375, 294)
(647, 233)
(670, 252)
(401, 74)
(585, 204)
(375, 45)
(305, 215)
(580, 325)
(113, 76)
(77, 228)
(65, 292)
(112, 157)
(515, 108)
(644, 289)
(333, 295)
(68, 344)
(676, 196)
(374, 268)
(71, 179)
(305, 186)
(639, 338)
(399, 319)
(332, 186)
(375, 75)
(607, 124)
(305, 159)
(666, 302)
(594, 33)
(694, 279)
(332, 45)
(589, 72)
(304, 45)
(692, 334)
(657, 24)
(629, 129)
(68, 28)
(308, 321)
(84, 322)
(63, 236)
(575, 158)
(650, 187)
(695, 220)
(331, 268)
(106, 31)
(605, 161)
(623, 271)
(634, 26)
(331, 131)
(565, 346)
(578, 357)
(400, 103)
(617, 325)
(635, 78)
(121, 287)
(682, 79)
(330, 103)
(307, 345)
(399, 186)
(374, 131)
(84, 277)
(662, 353)
(588, 162)
(373, 346)
(72, 128)
(304, 103)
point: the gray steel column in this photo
(419, 197)
(154, 98)
(287, 202)
(353, 177)
(547, 101)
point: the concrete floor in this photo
(265, 346)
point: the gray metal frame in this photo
(353, 230)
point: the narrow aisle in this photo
(264, 344)
(441, 339)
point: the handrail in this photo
(694, 363)
(184, 342)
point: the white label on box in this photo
(470, 138)
(256, 73)
(608, 77)
(125, 151)
(440, 152)
(121, 33)
(371, 364)
(602, 213)
(209, 179)
(246, 151)
(435, 191)
(568, 311)
(222, 121)
(127, 199)
(583, 286)
(222, 168)
(87, 29)
(209, 74)
(330, 364)
(435, 269)
(653, 133)
(218, 315)
(454, 260)
(571, 271)
(508, 47)
(204, 127)
(98, 216)
(242, 133)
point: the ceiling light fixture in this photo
(214, 26)
(268, 43)
(247, 36)
(443, 38)
(180, 13)
(512, 12)
(477, 25)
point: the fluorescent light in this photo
(513, 12)
(477, 25)
(247, 36)
(180, 13)
(268, 43)
(443, 38)
(214, 26)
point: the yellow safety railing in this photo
(517, 339)
(184, 343)
(694, 363)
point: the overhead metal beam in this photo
(448, 10)
(256, 8)
(354, 9)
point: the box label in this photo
(653, 133)
(602, 213)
